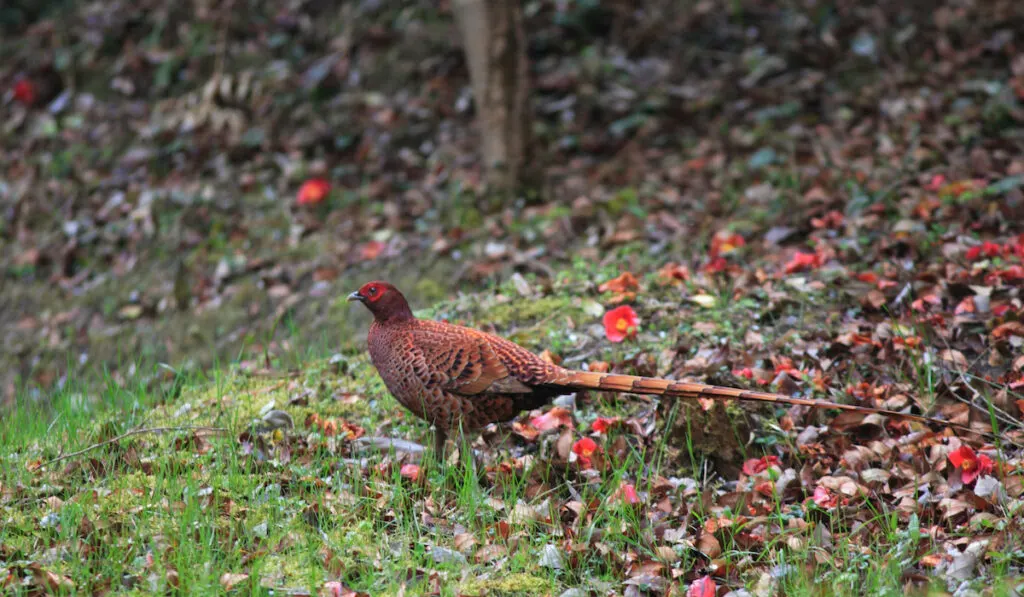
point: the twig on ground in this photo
(140, 431)
(986, 407)
(388, 443)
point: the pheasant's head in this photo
(383, 300)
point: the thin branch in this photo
(131, 433)
(1001, 415)
(986, 407)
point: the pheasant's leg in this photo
(440, 437)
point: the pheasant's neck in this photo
(401, 317)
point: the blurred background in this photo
(196, 181)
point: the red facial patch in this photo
(373, 293)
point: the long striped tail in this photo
(609, 382)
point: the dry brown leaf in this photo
(709, 545)
(673, 273)
(53, 582)
(490, 553)
(624, 288)
(625, 282)
(464, 542)
(1010, 328)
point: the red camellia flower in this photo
(936, 183)
(971, 464)
(785, 365)
(629, 495)
(1017, 247)
(25, 92)
(724, 242)
(987, 249)
(601, 424)
(621, 323)
(553, 419)
(746, 372)
(803, 262)
(716, 265)
(584, 449)
(824, 498)
(759, 465)
(1014, 272)
(313, 191)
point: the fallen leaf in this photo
(489, 553)
(53, 582)
(673, 273)
(625, 282)
(410, 471)
(371, 250)
(708, 545)
(704, 300)
(229, 580)
(702, 587)
(551, 557)
(1010, 328)
(550, 357)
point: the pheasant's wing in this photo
(462, 361)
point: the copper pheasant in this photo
(457, 377)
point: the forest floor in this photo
(822, 201)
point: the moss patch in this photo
(513, 585)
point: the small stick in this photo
(131, 433)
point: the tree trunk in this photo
(494, 42)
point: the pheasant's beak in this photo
(355, 296)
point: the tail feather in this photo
(610, 382)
